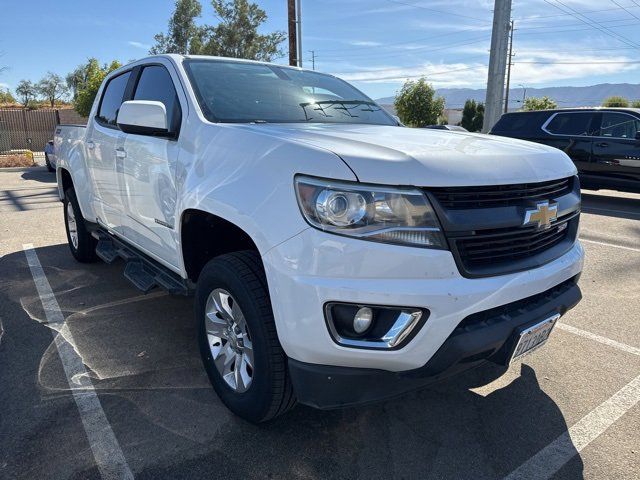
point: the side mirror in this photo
(638, 136)
(143, 117)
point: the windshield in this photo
(241, 92)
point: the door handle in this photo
(91, 145)
(602, 144)
(120, 153)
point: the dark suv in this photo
(604, 143)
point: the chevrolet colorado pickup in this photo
(336, 257)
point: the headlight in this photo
(383, 214)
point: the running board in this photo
(144, 272)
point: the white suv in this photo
(336, 256)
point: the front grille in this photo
(500, 195)
(487, 247)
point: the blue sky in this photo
(375, 44)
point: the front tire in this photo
(81, 242)
(238, 341)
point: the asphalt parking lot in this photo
(569, 410)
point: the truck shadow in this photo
(142, 358)
(39, 174)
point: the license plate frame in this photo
(532, 338)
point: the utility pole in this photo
(313, 59)
(497, 63)
(293, 44)
(299, 31)
(506, 92)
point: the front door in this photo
(148, 170)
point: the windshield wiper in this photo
(345, 105)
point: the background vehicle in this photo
(604, 143)
(336, 257)
(49, 157)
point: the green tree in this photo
(52, 87)
(478, 119)
(182, 29)
(417, 104)
(615, 101)
(472, 116)
(235, 35)
(6, 97)
(635, 104)
(539, 103)
(87, 93)
(26, 91)
(77, 79)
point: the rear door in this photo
(616, 152)
(149, 168)
(104, 139)
(572, 132)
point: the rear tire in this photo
(81, 242)
(232, 296)
(48, 163)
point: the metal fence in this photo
(27, 129)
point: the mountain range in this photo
(590, 96)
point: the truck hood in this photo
(423, 157)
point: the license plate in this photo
(534, 337)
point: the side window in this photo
(155, 84)
(112, 99)
(570, 124)
(619, 125)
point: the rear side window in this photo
(155, 84)
(619, 125)
(570, 124)
(112, 99)
(516, 123)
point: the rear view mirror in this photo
(143, 117)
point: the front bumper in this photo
(485, 336)
(314, 268)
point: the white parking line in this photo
(610, 244)
(104, 445)
(598, 338)
(550, 459)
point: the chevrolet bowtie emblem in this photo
(542, 215)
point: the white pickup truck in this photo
(336, 256)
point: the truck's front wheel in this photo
(81, 242)
(238, 340)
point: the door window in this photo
(570, 124)
(112, 99)
(619, 125)
(155, 84)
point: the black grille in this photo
(508, 244)
(500, 195)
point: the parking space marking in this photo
(606, 244)
(551, 458)
(105, 447)
(598, 338)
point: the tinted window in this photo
(619, 125)
(518, 123)
(112, 99)
(570, 124)
(249, 92)
(155, 84)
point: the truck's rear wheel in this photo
(81, 242)
(238, 340)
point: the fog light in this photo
(362, 320)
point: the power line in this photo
(576, 14)
(437, 11)
(591, 27)
(626, 10)
(613, 62)
(427, 75)
(537, 17)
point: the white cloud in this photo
(140, 45)
(365, 43)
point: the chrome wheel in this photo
(229, 340)
(72, 226)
